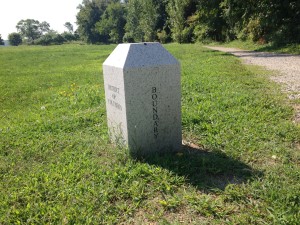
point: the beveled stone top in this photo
(137, 55)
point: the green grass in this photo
(249, 45)
(57, 165)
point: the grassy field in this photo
(57, 165)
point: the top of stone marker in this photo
(136, 55)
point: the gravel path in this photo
(287, 69)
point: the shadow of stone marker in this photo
(143, 98)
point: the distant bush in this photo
(68, 36)
(15, 39)
(163, 36)
(46, 39)
(59, 39)
(51, 38)
(54, 38)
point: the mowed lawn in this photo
(57, 165)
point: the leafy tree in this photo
(31, 29)
(90, 12)
(69, 26)
(44, 27)
(133, 29)
(15, 39)
(162, 28)
(177, 21)
(1, 40)
(112, 22)
(263, 20)
(274, 21)
(149, 20)
(142, 19)
(162, 14)
(237, 15)
(279, 21)
(208, 23)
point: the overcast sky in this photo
(55, 12)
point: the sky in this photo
(55, 12)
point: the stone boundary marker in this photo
(143, 98)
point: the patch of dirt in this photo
(167, 217)
(287, 69)
(297, 116)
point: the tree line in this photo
(33, 32)
(185, 21)
(182, 21)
